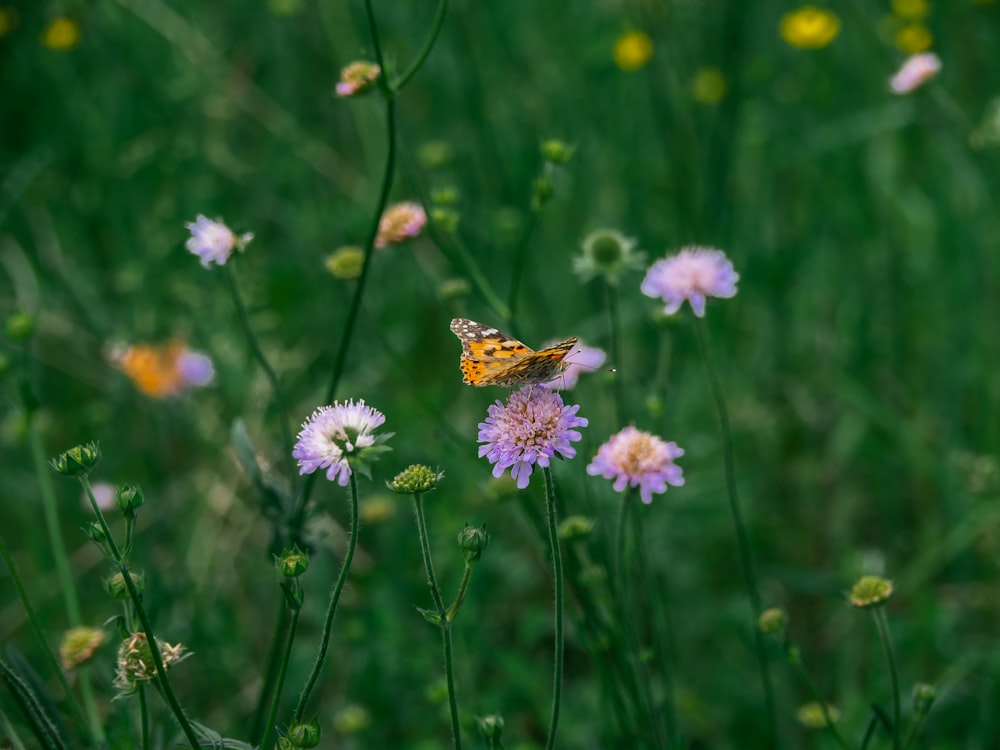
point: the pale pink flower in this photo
(357, 78)
(915, 72)
(399, 222)
(693, 274)
(213, 241)
(634, 458)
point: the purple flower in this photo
(340, 439)
(693, 274)
(915, 72)
(634, 458)
(213, 241)
(195, 369)
(581, 359)
(530, 428)
(400, 222)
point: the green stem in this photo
(273, 664)
(331, 610)
(39, 634)
(557, 575)
(115, 552)
(479, 280)
(445, 622)
(743, 542)
(460, 596)
(620, 542)
(144, 717)
(614, 348)
(403, 79)
(520, 251)
(883, 633)
(793, 656)
(286, 656)
(154, 651)
(241, 311)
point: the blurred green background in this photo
(859, 357)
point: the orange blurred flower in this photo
(166, 370)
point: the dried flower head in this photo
(79, 645)
(341, 439)
(400, 222)
(870, 591)
(213, 241)
(634, 458)
(693, 274)
(357, 78)
(915, 72)
(161, 371)
(532, 427)
(135, 660)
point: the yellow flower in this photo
(913, 38)
(61, 34)
(709, 86)
(633, 50)
(8, 19)
(912, 9)
(809, 27)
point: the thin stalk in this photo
(258, 353)
(890, 657)
(444, 623)
(620, 542)
(743, 542)
(557, 575)
(273, 664)
(411, 71)
(144, 717)
(272, 714)
(331, 610)
(460, 596)
(520, 252)
(614, 349)
(796, 660)
(39, 634)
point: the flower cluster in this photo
(532, 427)
(634, 458)
(340, 439)
(166, 370)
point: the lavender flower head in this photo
(915, 72)
(213, 241)
(400, 222)
(340, 439)
(532, 427)
(581, 359)
(693, 274)
(634, 458)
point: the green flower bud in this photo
(435, 154)
(116, 588)
(491, 726)
(452, 289)
(473, 540)
(414, 479)
(543, 191)
(575, 527)
(128, 497)
(20, 327)
(811, 715)
(346, 262)
(292, 563)
(772, 621)
(870, 591)
(607, 253)
(923, 697)
(305, 735)
(446, 219)
(557, 152)
(78, 461)
(444, 196)
(352, 719)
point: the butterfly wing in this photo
(487, 354)
(538, 367)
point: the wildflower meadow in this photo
(499, 375)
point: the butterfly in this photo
(490, 357)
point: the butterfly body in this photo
(490, 357)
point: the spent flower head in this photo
(135, 660)
(607, 253)
(870, 591)
(693, 274)
(213, 241)
(532, 427)
(79, 645)
(915, 72)
(400, 222)
(357, 78)
(634, 458)
(341, 439)
(581, 359)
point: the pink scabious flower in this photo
(340, 439)
(915, 72)
(213, 241)
(399, 222)
(532, 427)
(693, 274)
(357, 78)
(581, 359)
(634, 458)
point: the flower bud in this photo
(292, 563)
(491, 727)
(923, 697)
(544, 189)
(305, 735)
(575, 527)
(444, 196)
(79, 645)
(128, 498)
(811, 715)
(352, 719)
(346, 262)
(445, 219)
(95, 532)
(870, 591)
(20, 327)
(473, 540)
(78, 461)
(116, 588)
(415, 479)
(772, 621)
(557, 152)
